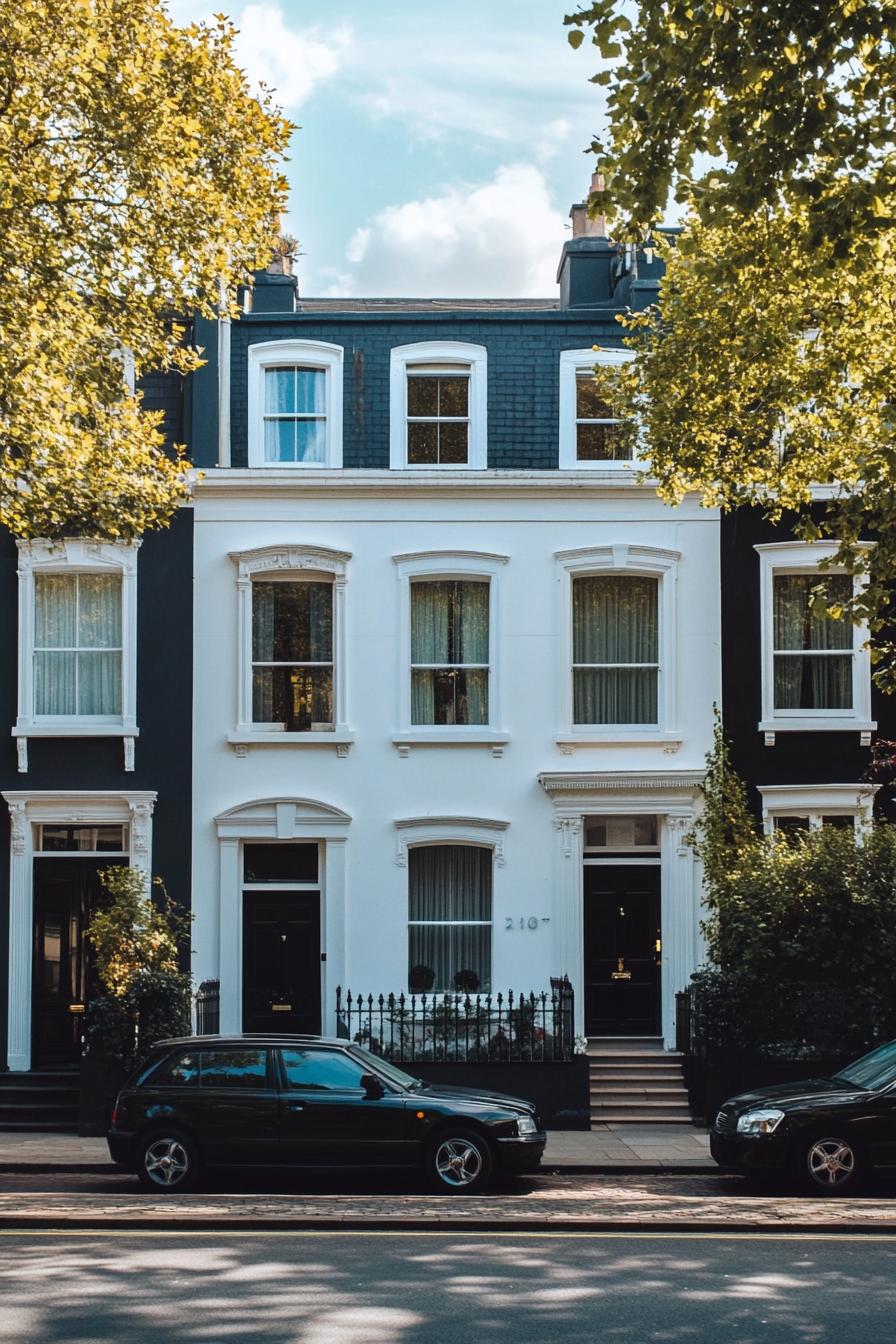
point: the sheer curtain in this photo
(450, 912)
(449, 628)
(77, 644)
(815, 680)
(615, 621)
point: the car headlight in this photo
(526, 1125)
(759, 1122)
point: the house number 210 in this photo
(521, 922)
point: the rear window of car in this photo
(234, 1068)
(178, 1070)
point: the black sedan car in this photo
(228, 1101)
(827, 1132)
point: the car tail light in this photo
(115, 1115)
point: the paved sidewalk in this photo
(606, 1148)
(568, 1204)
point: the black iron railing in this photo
(208, 1008)
(535, 1028)
(684, 1021)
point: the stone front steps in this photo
(46, 1100)
(634, 1081)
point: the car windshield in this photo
(873, 1071)
(384, 1068)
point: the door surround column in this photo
(26, 810)
(673, 797)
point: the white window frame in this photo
(300, 562)
(815, 801)
(403, 358)
(636, 561)
(572, 363)
(77, 556)
(482, 832)
(265, 355)
(438, 565)
(805, 558)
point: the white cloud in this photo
(501, 238)
(291, 61)
(553, 139)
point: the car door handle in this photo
(296, 1105)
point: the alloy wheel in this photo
(831, 1163)
(458, 1162)
(166, 1162)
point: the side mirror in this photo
(372, 1086)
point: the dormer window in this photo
(590, 434)
(295, 404)
(438, 406)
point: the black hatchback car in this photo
(244, 1101)
(827, 1132)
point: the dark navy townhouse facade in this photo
(417, 693)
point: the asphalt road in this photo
(322, 1288)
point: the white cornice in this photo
(644, 782)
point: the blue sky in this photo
(441, 144)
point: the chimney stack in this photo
(584, 273)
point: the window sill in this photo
(341, 740)
(619, 737)
(73, 728)
(864, 727)
(452, 737)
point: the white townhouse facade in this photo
(454, 662)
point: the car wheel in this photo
(459, 1162)
(167, 1163)
(829, 1164)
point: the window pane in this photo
(813, 682)
(453, 396)
(791, 825)
(840, 823)
(280, 391)
(589, 403)
(453, 443)
(310, 391)
(279, 440)
(298, 698)
(796, 626)
(449, 621)
(321, 1070)
(615, 695)
(234, 1068)
(450, 882)
(423, 395)
(99, 611)
(177, 1071)
(449, 696)
(280, 863)
(99, 683)
(92, 839)
(54, 611)
(615, 620)
(311, 440)
(54, 683)
(601, 443)
(292, 622)
(423, 444)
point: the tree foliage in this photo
(792, 101)
(139, 181)
(800, 928)
(137, 944)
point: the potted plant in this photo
(466, 982)
(421, 979)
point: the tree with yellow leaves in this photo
(139, 183)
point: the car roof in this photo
(255, 1038)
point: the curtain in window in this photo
(449, 627)
(77, 644)
(615, 621)
(816, 680)
(450, 883)
(292, 625)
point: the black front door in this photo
(281, 961)
(65, 894)
(622, 950)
